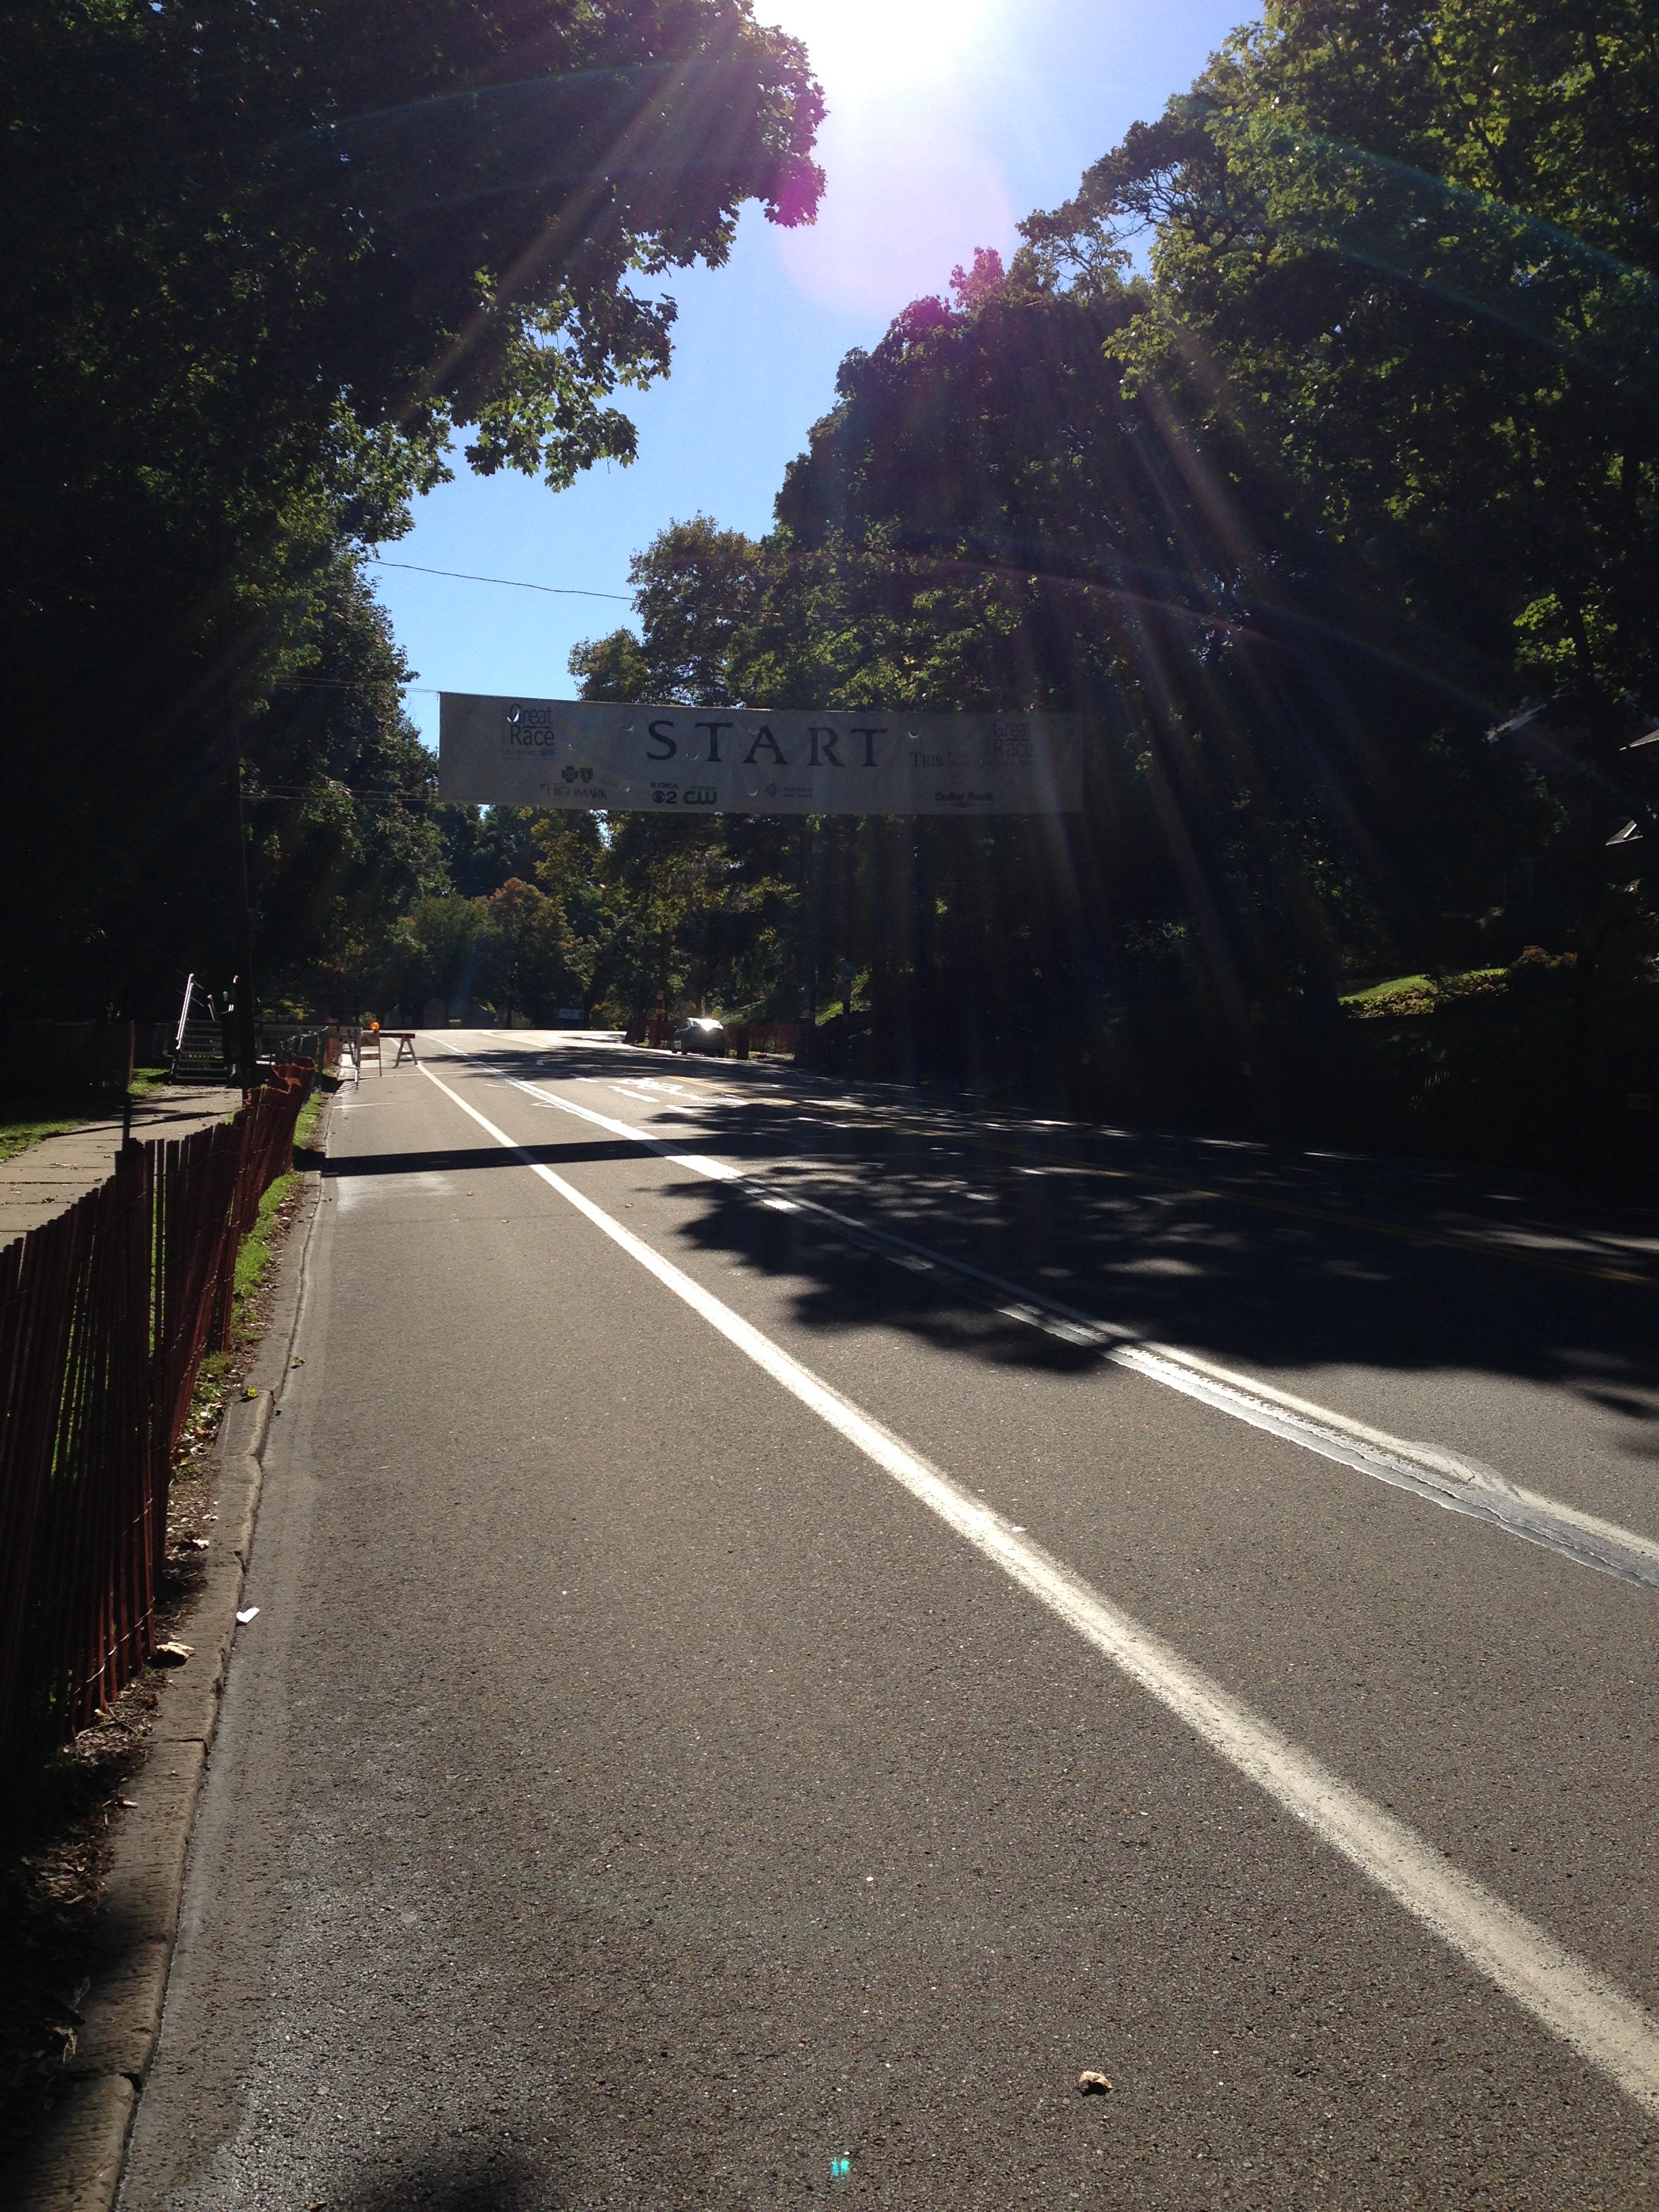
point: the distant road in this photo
(796, 1619)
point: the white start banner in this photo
(738, 760)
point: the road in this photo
(796, 1620)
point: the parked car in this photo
(700, 1033)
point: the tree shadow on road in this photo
(475, 2179)
(1269, 1256)
(472, 1159)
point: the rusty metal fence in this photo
(105, 1315)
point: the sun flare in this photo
(888, 37)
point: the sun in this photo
(889, 38)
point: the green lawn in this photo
(1376, 995)
(254, 1259)
(23, 1123)
(21, 1126)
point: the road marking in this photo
(1566, 1995)
(1427, 1471)
(1443, 1478)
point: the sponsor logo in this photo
(964, 798)
(574, 775)
(529, 729)
(702, 794)
(787, 791)
(580, 794)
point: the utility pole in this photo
(245, 1006)
(245, 1026)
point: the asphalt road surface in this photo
(795, 1621)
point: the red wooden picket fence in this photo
(105, 1315)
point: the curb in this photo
(75, 2163)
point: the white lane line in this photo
(1427, 1471)
(700, 1163)
(1563, 1992)
(1443, 1478)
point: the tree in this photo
(1409, 255)
(258, 267)
(338, 795)
(990, 518)
(692, 909)
(438, 952)
(696, 587)
(485, 845)
(530, 959)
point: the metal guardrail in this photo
(105, 1314)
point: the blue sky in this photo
(949, 119)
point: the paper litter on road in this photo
(248, 1612)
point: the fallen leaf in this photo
(173, 1655)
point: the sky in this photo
(948, 120)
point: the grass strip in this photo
(18, 1133)
(258, 1253)
(1425, 988)
(26, 1122)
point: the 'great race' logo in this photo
(529, 729)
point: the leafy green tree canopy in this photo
(260, 266)
(1405, 253)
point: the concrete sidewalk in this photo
(38, 1184)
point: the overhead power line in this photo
(345, 684)
(513, 583)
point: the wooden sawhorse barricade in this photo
(358, 1046)
(373, 1039)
